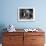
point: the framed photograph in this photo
(26, 14)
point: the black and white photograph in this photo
(26, 14)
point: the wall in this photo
(9, 13)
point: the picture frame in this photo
(26, 14)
